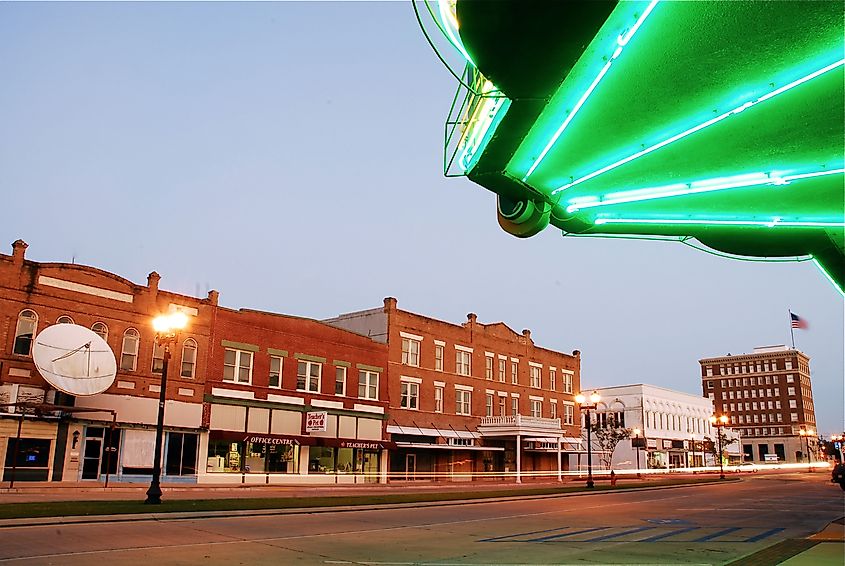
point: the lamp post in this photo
(806, 434)
(581, 400)
(167, 328)
(637, 435)
(720, 422)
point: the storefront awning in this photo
(419, 431)
(447, 446)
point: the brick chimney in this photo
(213, 297)
(18, 252)
(389, 304)
(152, 283)
(472, 318)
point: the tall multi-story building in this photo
(472, 400)
(768, 397)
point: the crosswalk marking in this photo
(639, 533)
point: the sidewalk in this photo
(88, 491)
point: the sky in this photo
(290, 156)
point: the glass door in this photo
(92, 454)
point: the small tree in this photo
(713, 445)
(608, 437)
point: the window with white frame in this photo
(488, 405)
(552, 379)
(25, 332)
(793, 417)
(101, 330)
(568, 414)
(503, 405)
(274, 379)
(463, 402)
(567, 382)
(535, 375)
(308, 376)
(463, 362)
(438, 399)
(536, 408)
(368, 384)
(410, 395)
(438, 357)
(129, 351)
(340, 380)
(790, 391)
(514, 373)
(553, 409)
(788, 364)
(514, 405)
(502, 370)
(189, 359)
(793, 404)
(411, 352)
(64, 319)
(237, 366)
(488, 367)
(790, 378)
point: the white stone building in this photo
(675, 426)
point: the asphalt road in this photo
(710, 524)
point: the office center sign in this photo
(316, 421)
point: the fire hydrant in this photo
(612, 478)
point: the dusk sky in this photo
(290, 156)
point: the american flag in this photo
(797, 321)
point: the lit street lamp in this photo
(581, 400)
(720, 422)
(638, 444)
(806, 434)
(167, 329)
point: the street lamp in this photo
(637, 435)
(720, 422)
(581, 399)
(806, 434)
(167, 328)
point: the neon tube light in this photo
(450, 24)
(775, 221)
(681, 189)
(621, 41)
(828, 277)
(701, 126)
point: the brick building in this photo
(768, 397)
(472, 400)
(34, 296)
(268, 374)
(241, 387)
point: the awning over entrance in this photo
(427, 445)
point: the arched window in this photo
(101, 330)
(129, 352)
(64, 319)
(189, 358)
(25, 332)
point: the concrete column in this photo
(518, 459)
(559, 468)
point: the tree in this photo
(713, 445)
(607, 437)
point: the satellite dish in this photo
(74, 359)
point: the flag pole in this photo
(791, 330)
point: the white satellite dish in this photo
(74, 359)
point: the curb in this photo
(187, 515)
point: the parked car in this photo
(745, 467)
(838, 474)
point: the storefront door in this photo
(410, 466)
(370, 466)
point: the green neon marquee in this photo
(720, 122)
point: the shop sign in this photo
(316, 421)
(266, 439)
(361, 444)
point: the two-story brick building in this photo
(472, 400)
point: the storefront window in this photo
(252, 457)
(321, 460)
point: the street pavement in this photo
(706, 524)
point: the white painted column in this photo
(518, 459)
(559, 470)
